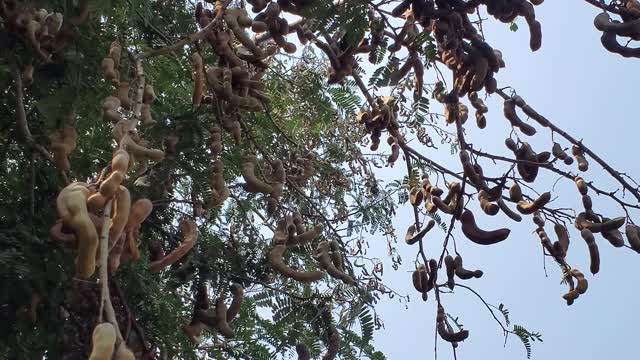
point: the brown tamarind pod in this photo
(463, 273)
(333, 344)
(189, 230)
(63, 142)
(488, 207)
(527, 165)
(582, 185)
(236, 302)
(511, 144)
(412, 237)
(482, 237)
(594, 254)
(515, 193)
(525, 207)
(582, 222)
(633, 235)
(221, 316)
(507, 211)
(415, 196)
(614, 236)
(433, 274)
(571, 295)
(103, 341)
(336, 255)
(420, 279)
(323, 257)
(148, 95)
(535, 37)
(583, 164)
(123, 95)
(303, 352)
(448, 263)
(122, 208)
(277, 264)
(445, 334)
(198, 79)
(581, 282)
(537, 219)
(511, 115)
(253, 184)
(563, 239)
(561, 154)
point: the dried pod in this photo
(582, 185)
(277, 264)
(415, 196)
(526, 207)
(583, 222)
(189, 230)
(412, 237)
(471, 230)
(445, 333)
(594, 254)
(448, 262)
(515, 193)
(463, 273)
(633, 235)
(103, 341)
(324, 258)
(614, 236)
(253, 184)
(561, 154)
(583, 164)
(487, 206)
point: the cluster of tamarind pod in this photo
(382, 117)
(291, 232)
(218, 317)
(629, 28)
(333, 346)
(43, 30)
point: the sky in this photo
(588, 92)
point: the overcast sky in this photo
(590, 93)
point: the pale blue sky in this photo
(588, 92)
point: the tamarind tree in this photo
(200, 180)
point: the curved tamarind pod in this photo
(515, 193)
(123, 95)
(594, 254)
(139, 211)
(613, 236)
(303, 352)
(571, 295)
(463, 273)
(219, 190)
(563, 239)
(448, 262)
(582, 222)
(336, 255)
(237, 19)
(482, 237)
(395, 151)
(253, 184)
(420, 279)
(221, 316)
(236, 302)
(433, 273)
(561, 154)
(445, 334)
(198, 79)
(333, 345)
(507, 211)
(583, 164)
(103, 341)
(527, 167)
(488, 207)
(277, 264)
(633, 235)
(609, 41)
(603, 23)
(122, 209)
(582, 284)
(509, 110)
(142, 152)
(582, 185)
(189, 230)
(72, 208)
(469, 170)
(63, 142)
(304, 237)
(323, 257)
(525, 207)
(412, 238)
(124, 353)
(415, 196)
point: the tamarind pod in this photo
(72, 208)
(236, 302)
(440, 205)
(103, 341)
(587, 203)
(482, 237)
(510, 144)
(124, 353)
(336, 255)
(582, 222)
(633, 235)
(415, 196)
(139, 211)
(507, 211)
(582, 283)
(603, 23)
(594, 254)
(444, 333)
(305, 237)
(145, 115)
(142, 152)
(563, 238)
(111, 184)
(323, 257)
(395, 153)
(583, 164)
(420, 279)
(333, 344)
(469, 170)
(189, 230)
(571, 296)
(535, 35)
(108, 69)
(509, 110)
(198, 79)
(123, 95)
(488, 207)
(582, 185)
(613, 236)
(560, 153)
(448, 262)
(303, 352)
(454, 190)
(525, 207)
(435, 191)
(463, 273)
(148, 95)
(221, 316)
(527, 167)
(515, 193)
(433, 274)
(277, 264)
(543, 157)
(122, 209)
